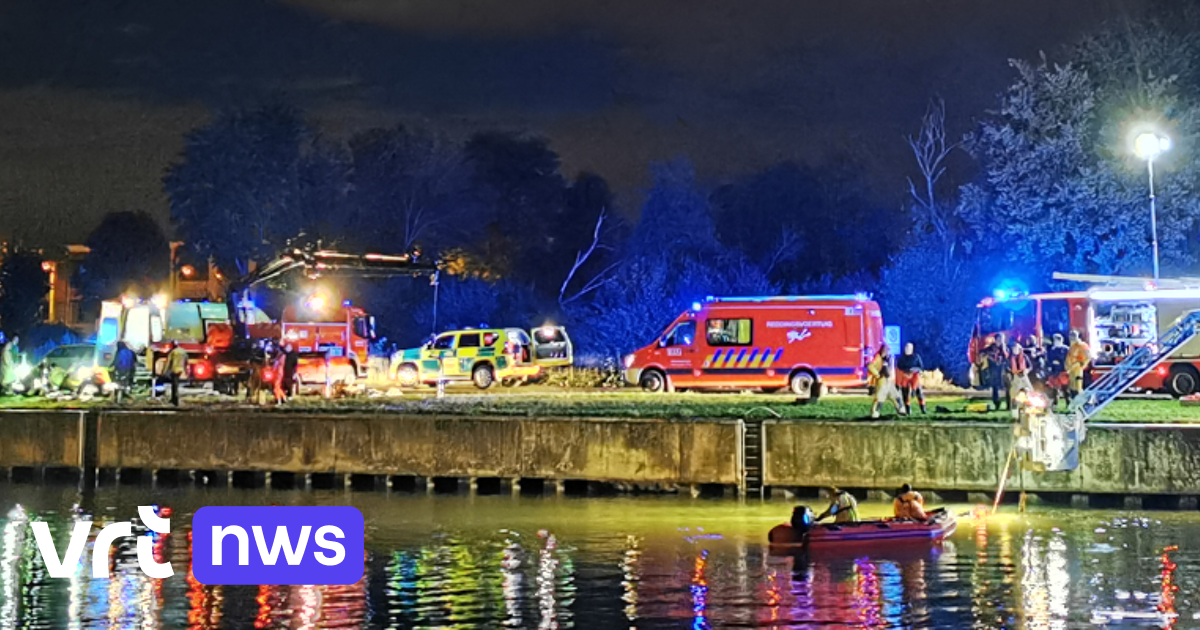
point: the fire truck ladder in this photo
(1098, 395)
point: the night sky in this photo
(95, 96)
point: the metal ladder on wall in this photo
(752, 457)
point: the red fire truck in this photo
(1114, 315)
(797, 342)
(333, 341)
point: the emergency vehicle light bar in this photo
(860, 297)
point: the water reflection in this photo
(542, 566)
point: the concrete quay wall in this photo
(967, 457)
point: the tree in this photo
(934, 309)
(1060, 189)
(235, 191)
(931, 150)
(801, 223)
(23, 287)
(650, 290)
(676, 218)
(410, 188)
(127, 252)
(520, 183)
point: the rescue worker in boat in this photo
(1056, 370)
(908, 376)
(843, 507)
(1078, 356)
(909, 504)
(1018, 368)
(879, 378)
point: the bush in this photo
(609, 375)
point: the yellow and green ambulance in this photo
(484, 356)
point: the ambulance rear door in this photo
(552, 346)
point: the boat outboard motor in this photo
(802, 519)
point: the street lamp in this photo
(1148, 146)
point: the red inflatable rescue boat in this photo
(940, 525)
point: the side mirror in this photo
(428, 345)
(662, 343)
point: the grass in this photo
(555, 402)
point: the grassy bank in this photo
(550, 402)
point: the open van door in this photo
(552, 347)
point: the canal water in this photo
(643, 562)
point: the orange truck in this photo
(333, 342)
(800, 343)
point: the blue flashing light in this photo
(345, 302)
(696, 306)
(1000, 294)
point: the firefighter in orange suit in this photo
(1078, 357)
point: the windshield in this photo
(1008, 317)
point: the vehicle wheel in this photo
(483, 377)
(407, 375)
(653, 381)
(1184, 381)
(804, 385)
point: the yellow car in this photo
(484, 356)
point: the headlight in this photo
(22, 371)
(1037, 401)
(629, 359)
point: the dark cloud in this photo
(94, 96)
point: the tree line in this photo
(1052, 186)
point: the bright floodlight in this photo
(316, 302)
(1148, 146)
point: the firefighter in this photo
(843, 507)
(1078, 357)
(909, 504)
(996, 354)
(908, 376)
(291, 361)
(277, 366)
(879, 377)
(124, 365)
(177, 361)
(1018, 369)
(1056, 369)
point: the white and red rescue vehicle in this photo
(802, 343)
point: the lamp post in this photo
(1148, 146)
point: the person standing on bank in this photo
(177, 361)
(879, 377)
(908, 376)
